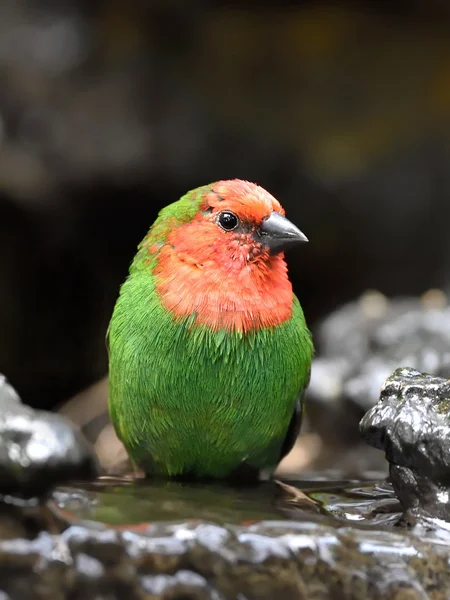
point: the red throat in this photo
(228, 281)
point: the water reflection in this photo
(136, 503)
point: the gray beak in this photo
(278, 233)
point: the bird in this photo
(209, 351)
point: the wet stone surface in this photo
(272, 559)
(411, 423)
(38, 449)
(109, 546)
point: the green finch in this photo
(209, 352)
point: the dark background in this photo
(111, 109)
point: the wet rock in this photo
(334, 556)
(411, 423)
(38, 449)
(185, 584)
(313, 556)
(272, 559)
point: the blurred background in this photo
(111, 109)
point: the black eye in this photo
(228, 220)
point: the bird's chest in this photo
(221, 375)
(222, 396)
(239, 295)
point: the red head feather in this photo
(228, 279)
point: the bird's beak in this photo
(278, 233)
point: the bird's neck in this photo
(224, 294)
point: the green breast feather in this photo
(187, 399)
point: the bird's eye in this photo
(228, 220)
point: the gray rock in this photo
(276, 559)
(8, 395)
(411, 423)
(38, 449)
(359, 345)
(333, 557)
(364, 341)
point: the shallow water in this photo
(133, 503)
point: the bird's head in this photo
(238, 221)
(247, 219)
(222, 246)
